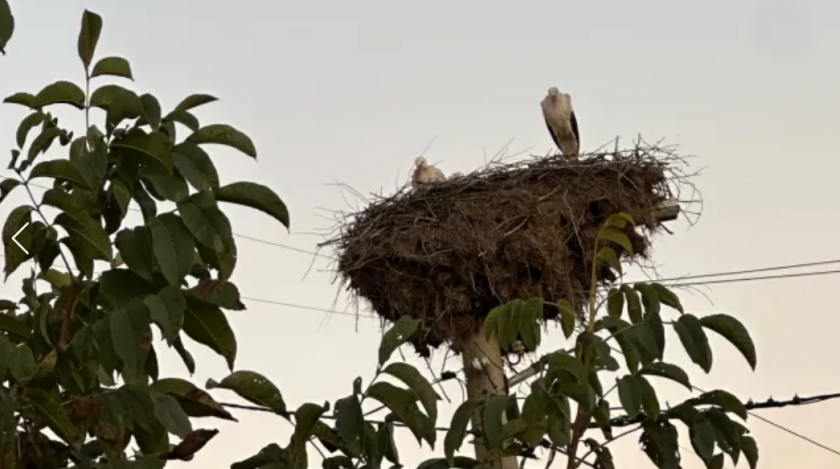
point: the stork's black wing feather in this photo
(551, 132)
(573, 122)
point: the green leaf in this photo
(618, 220)
(166, 309)
(185, 355)
(458, 462)
(350, 421)
(182, 117)
(15, 221)
(723, 399)
(92, 164)
(89, 36)
(6, 187)
(115, 66)
(564, 361)
(417, 383)
(491, 420)
(254, 388)
(630, 395)
(667, 370)
(615, 303)
(62, 170)
(52, 413)
(201, 215)
(182, 240)
(398, 334)
(617, 237)
(194, 100)
(223, 134)
(529, 326)
(151, 110)
(194, 401)
(207, 325)
(750, 450)
(119, 104)
(196, 166)
(609, 256)
(26, 125)
(170, 414)
(223, 294)
(568, 318)
(491, 323)
(22, 363)
(165, 251)
(668, 297)
(650, 402)
(255, 196)
(60, 92)
(716, 462)
(41, 143)
(22, 99)
(650, 298)
(505, 322)
(13, 325)
(306, 416)
(90, 233)
(634, 304)
(135, 247)
(403, 403)
(458, 429)
(694, 341)
(702, 436)
(127, 324)
(734, 331)
(7, 28)
(168, 185)
(155, 145)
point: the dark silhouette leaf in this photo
(207, 325)
(694, 341)
(115, 66)
(458, 429)
(60, 92)
(256, 196)
(223, 134)
(254, 388)
(89, 36)
(630, 395)
(417, 383)
(733, 331)
(667, 370)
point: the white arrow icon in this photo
(16, 235)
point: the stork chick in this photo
(425, 174)
(561, 122)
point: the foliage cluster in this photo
(78, 358)
(79, 326)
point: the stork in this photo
(561, 122)
(425, 174)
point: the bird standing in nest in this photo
(561, 122)
(425, 174)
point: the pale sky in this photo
(352, 92)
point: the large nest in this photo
(450, 253)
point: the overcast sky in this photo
(352, 91)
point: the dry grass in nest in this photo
(450, 253)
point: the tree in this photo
(61, 350)
(62, 347)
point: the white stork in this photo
(425, 174)
(561, 122)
